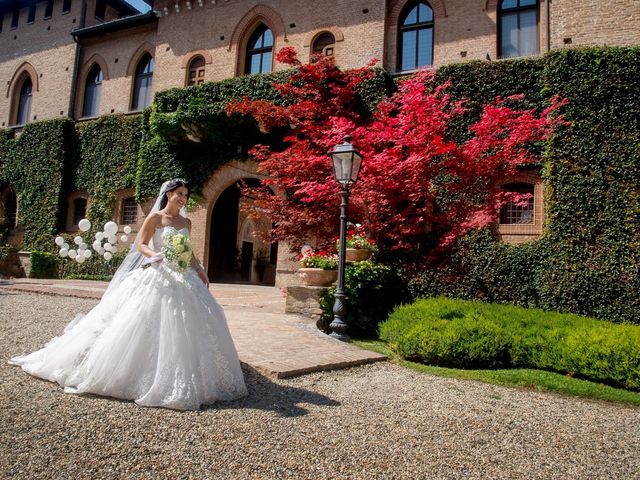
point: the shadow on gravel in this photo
(264, 394)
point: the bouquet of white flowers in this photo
(177, 250)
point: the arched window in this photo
(92, 89)
(416, 36)
(195, 73)
(79, 210)
(517, 28)
(142, 83)
(129, 211)
(259, 51)
(512, 214)
(324, 45)
(24, 101)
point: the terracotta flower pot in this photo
(357, 254)
(317, 277)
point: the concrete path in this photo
(274, 343)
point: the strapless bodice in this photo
(159, 236)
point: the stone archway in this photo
(221, 234)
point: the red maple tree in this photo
(414, 178)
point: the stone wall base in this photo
(304, 300)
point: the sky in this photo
(139, 4)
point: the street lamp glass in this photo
(346, 162)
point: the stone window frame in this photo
(414, 28)
(396, 8)
(519, 233)
(82, 84)
(189, 57)
(15, 85)
(121, 196)
(145, 48)
(260, 14)
(518, 9)
(71, 198)
(317, 32)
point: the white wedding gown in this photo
(159, 338)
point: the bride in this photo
(157, 336)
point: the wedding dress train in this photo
(159, 338)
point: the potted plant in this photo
(358, 246)
(318, 269)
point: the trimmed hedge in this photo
(43, 265)
(472, 334)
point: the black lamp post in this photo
(346, 166)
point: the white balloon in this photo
(65, 245)
(112, 239)
(59, 241)
(124, 238)
(80, 258)
(107, 246)
(63, 252)
(83, 246)
(107, 256)
(78, 240)
(84, 225)
(87, 254)
(114, 248)
(72, 253)
(111, 228)
(101, 251)
(96, 245)
(99, 235)
(127, 229)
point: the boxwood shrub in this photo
(43, 265)
(473, 334)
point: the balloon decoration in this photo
(81, 252)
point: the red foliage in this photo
(409, 161)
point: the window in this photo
(31, 14)
(24, 101)
(196, 71)
(93, 87)
(518, 28)
(48, 9)
(129, 211)
(66, 6)
(1, 21)
(259, 51)
(101, 9)
(324, 45)
(416, 37)
(79, 210)
(9, 208)
(142, 83)
(15, 18)
(512, 214)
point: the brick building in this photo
(85, 58)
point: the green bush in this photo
(43, 265)
(372, 291)
(472, 334)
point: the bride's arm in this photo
(146, 234)
(196, 265)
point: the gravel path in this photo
(373, 422)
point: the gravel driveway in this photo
(378, 421)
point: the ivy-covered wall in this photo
(587, 261)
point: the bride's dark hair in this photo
(171, 186)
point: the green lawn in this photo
(538, 380)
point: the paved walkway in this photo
(272, 342)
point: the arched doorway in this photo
(236, 251)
